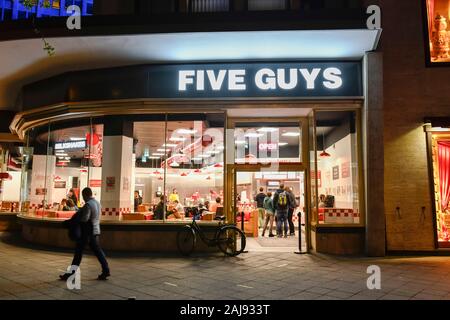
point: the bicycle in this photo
(228, 238)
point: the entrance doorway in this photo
(267, 153)
(256, 194)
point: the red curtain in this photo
(444, 172)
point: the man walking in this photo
(291, 210)
(281, 203)
(88, 219)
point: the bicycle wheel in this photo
(231, 240)
(186, 240)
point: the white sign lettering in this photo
(265, 79)
(70, 145)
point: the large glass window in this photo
(438, 15)
(10, 176)
(441, 175)
(59, 161)
(180, 167)
(337, 175)
(268, 143)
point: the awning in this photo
(25, 61)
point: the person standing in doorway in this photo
(260, 206)
(281, 204)
(88, 218)
(292, 207)
(270, 214)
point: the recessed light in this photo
(267, 129)
(177, 139)
(186, 131)
(253, 135)
(291, 134)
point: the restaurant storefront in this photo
(197, 135)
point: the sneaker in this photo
(271, 235)
(262, 235)
(65, 276)
(103, 276)
(285, 235)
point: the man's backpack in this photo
(282, 201)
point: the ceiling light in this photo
(253, 135)
(267, 129)
(177, 139)
(154, 158)
(170, 145)
(197, 159)
(186, 131)
(158, 154)
(77, 139)
(61, 154)
(291, 134)
(282, 144)
(162, 150)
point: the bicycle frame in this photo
(198, 230)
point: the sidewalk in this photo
(28, 272)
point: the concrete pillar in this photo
(117, 167)
(373, 154)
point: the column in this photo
(117, 168)
(373, 125)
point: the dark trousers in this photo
(282, 222)
(291, 223)
(94, 244)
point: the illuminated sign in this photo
(70, 145)
(264, 79)
(268, 146)
(302, 79)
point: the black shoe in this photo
(65, 276)
(103, 276)
(271, 235)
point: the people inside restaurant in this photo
(137, 200)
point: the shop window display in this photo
(337, 168)
(441, 174)
(438, 15)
